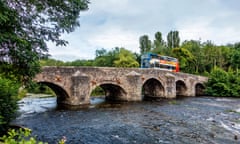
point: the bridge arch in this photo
(152, 88)
(199, 89)
(181, 88)
(60, 92)
(112, 91)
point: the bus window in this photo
(151, 60)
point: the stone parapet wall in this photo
(124, 84)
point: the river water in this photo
(206, 120)
(34, 103)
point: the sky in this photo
(119, 23)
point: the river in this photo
(205, 120)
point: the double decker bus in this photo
(152, 60)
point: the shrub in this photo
(23, 136)
(222, 83)
(39, 89)
(98, 91)
(22, 93)
(8, 102)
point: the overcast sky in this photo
(120, 23)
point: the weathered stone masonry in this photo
(73, 85)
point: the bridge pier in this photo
(73, 85)
(170, 86)
(133, 86)
(79, 90)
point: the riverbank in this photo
(187, 120)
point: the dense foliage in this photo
(222, 83)
(220, 63)
(125, 59)
(8, 102)
(23, 136)
(117, 57)
(26, 25)
(195, 56)
(39, 89)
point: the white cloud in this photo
(113, 37)
(113, 23)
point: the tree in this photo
(51, 62)
(159, 45)
(196, 49)
(173, 39)
(235, 59)
(101, 52)
(158, 40)
(217, 83)
(186, 59)
(126, 59)
(223, 59)
(216, 56)
(80, 63)
(145, 44)
(106, 58)
(138, 57)
(26, 25)
(222, 83)
(209, 50)
(102, 58)
(237, 46)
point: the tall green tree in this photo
(235, 59)
(106, 58)
(100, 52)
(158, 40)
(235, 55)
(237, 46)
(26, 25)
(223, 57)
(186, 59)
(159, 46)
(195, 48)
(173, 39)
(145, 44)
(138, 57)
(126, 59)
(209, 50)
(216, 56)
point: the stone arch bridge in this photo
(73, 85)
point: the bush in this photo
(38, 88)
(98, 91)
(222, 83)
(23, 136)
(8, 102)
(22, 93)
